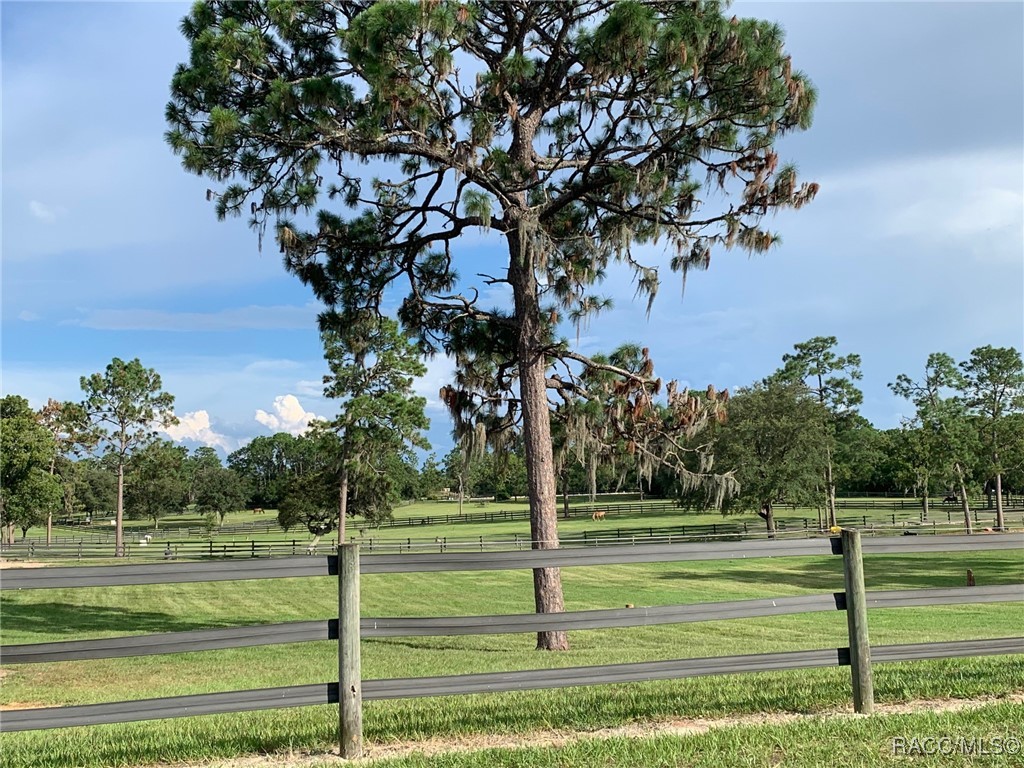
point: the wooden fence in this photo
(350, 627)
(600, 535)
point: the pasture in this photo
(65, 614)
(483, 524)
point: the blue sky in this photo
(914, 245)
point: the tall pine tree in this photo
(571, 131)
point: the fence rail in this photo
(327, 629)
(899, 510)
(293, 567)
(602, 536)
(488, 682)
(859, 656)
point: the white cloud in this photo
(971, 201)
(196, 426)
(289, 416)
(440, 371)
(27, 316)
(44, 212)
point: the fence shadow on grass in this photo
(880, 572)
(50, 619)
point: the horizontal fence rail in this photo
(489, 682)
(327, 629)
(293, 567)
(181, 549)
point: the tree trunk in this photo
(540, 463)
(461, 495)
(119, 515)
(965, 504)
(1000, 521)
(768, 515)
(343, 504)
(830, 489)
(924, 499)
(49, 514)
(592, 477)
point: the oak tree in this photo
(772, 442)
(28, 491)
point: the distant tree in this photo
(498, 474)
(94, 487)
(947, 443)
(155, 481)
(220, 490)
(69, 425)
(432, 478)
(573, 130)
(310, 502)
(457, 464)
(993, 389)
(829, 378)
(28, 491)
(125, 405)
(772, 443)
(269, 463)
(203, 459)
(372, 367)
(1013, 455)
(860, 455)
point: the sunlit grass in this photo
(44, 615)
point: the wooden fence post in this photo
(350, 687)
(857, 623)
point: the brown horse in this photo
(598, 514)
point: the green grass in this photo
(40, 616)
(838, 742)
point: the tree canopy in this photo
(572, 132)
(125, 404)
(28, 490)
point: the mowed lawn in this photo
(39, 616)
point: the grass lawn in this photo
(807, 743)
(39, 616)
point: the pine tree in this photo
(124, 404)
(570, 131)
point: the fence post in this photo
(857, 623)
(350, 687)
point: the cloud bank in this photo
(288, 416)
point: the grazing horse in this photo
(950, 500)
(258, 511)
(598, 514)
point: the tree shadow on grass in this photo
(49, 619)
(880, 572)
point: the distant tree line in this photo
(794, 437)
